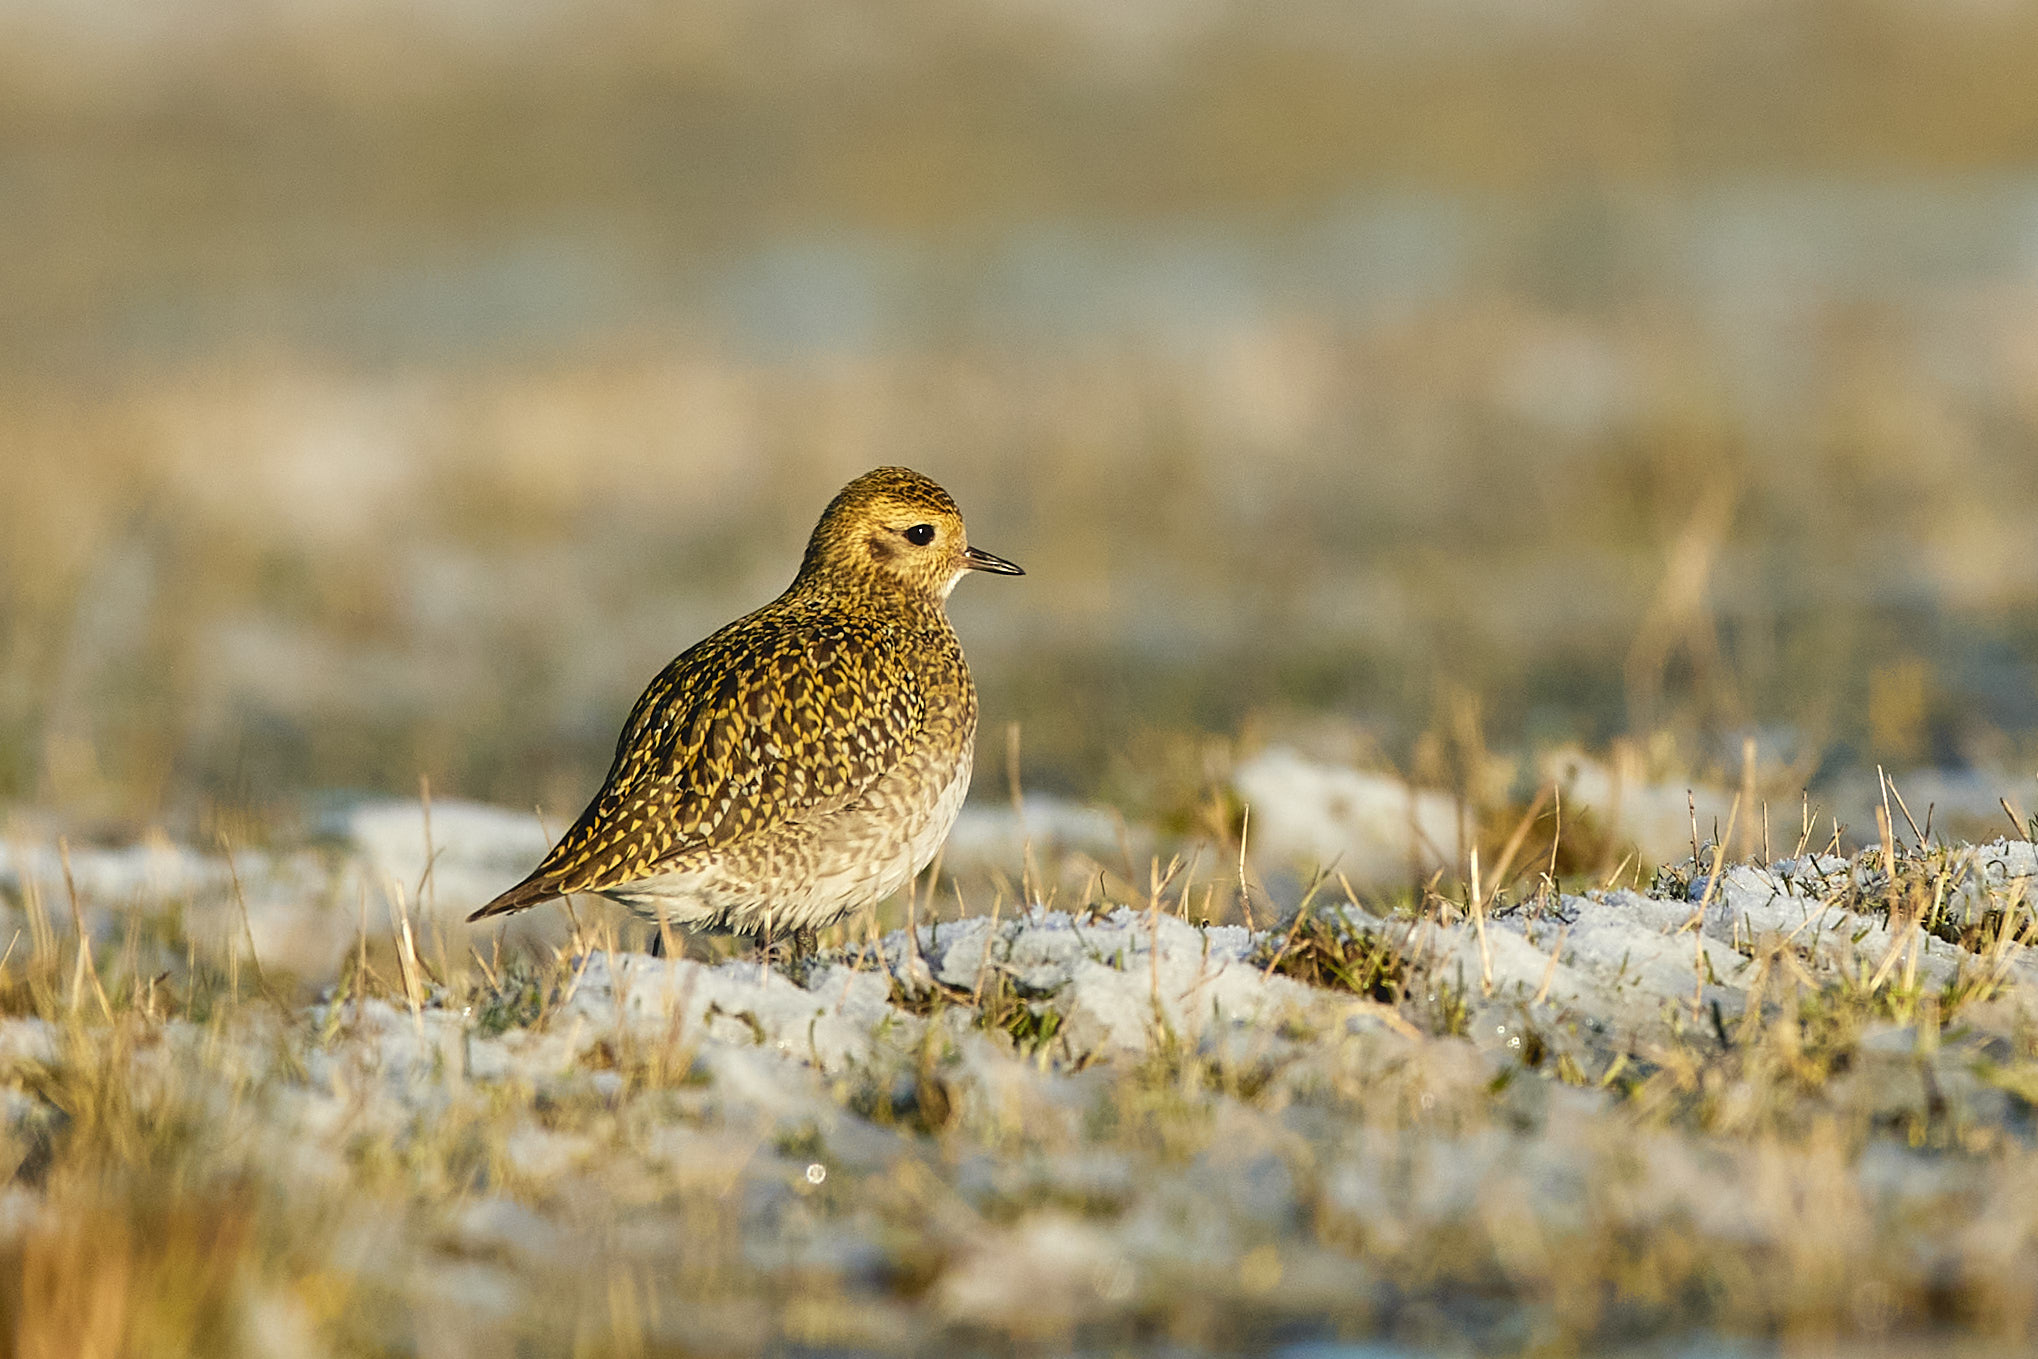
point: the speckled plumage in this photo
(805, 760)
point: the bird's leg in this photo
(657, 949)
(791, 948)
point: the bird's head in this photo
(895, 527)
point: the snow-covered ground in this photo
(1791, 1099)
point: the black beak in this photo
(979, 560)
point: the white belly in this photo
(853, 859)
(856, 885)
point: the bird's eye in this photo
(920, 535)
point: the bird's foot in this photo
(791, 953)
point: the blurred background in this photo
(390, 389)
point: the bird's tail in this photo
(532, 891)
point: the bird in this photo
(806, 760)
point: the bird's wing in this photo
(772, 720)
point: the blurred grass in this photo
(386, 394)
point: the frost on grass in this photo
(1787, 1100)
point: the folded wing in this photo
(770, 721)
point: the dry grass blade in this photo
(85, 968)
(1519, 836)
(1924, 836)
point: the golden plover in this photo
(806, 760)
